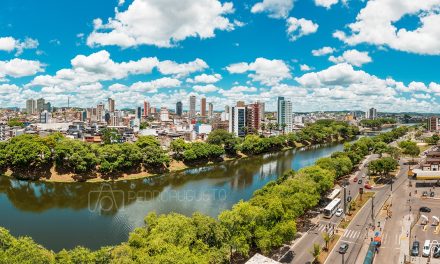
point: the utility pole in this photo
(345, 198)
(372, 209)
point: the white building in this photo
(164, 114)
(284, 114)
(45, 117)
(31, 106)
(4, 132)
(237, 120)
(192, 106)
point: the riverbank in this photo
(174, 167)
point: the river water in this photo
(64, 215)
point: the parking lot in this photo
(427, 226)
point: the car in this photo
(425, 209)
(436, 250)
(426, 248)
(425, 193)
(360, 182)
(339, 212)
(415, 249)
(343, 248)
(355, 179)
(432, 194)
(367, 186)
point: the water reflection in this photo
(60, 215)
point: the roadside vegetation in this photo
(378, 122)
(266, 221)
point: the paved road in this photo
(360, 224)
(302, 248)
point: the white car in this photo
(426, 249)
(339, 212)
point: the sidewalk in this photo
(404, 238)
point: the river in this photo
(64, 215)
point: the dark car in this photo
(425, 193)
(432, 194)
(359, 181)
(436, 250)
(415, 249)
(425, 209)
(343, 248)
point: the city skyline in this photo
(321, 63)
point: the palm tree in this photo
(263, 127)
(270, 126)
(315, 251)
(283, 126)
(327, 238)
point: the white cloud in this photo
(297, 28)
(205, 78)
(305, 67)
(275, 8)
(268, 72)
(375, 24)
(150, 86)
(326, 3)
(205, 88)
(354, 57)
(10, 44)
(181, 70)
(238, 91)
(162, 23)
(323, 51)
(20, 68)
(8, 88)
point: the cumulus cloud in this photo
(305, 67)
(375, 24)
(327, 3)
(354, 57)
(205, 78)
(20, 68)
(297, 28)
(205, 88)
(162, 23)
(265, 71)
(275, 8)
(323, 51)
(183, 69)
(10, 44)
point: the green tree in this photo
(326, 236)
(315, 251)
(110, 135)
(75, 156)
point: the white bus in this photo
(331, 208)
(334, 194)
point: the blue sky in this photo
(381, 53)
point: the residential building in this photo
(47, 107)
(100, 111)
(5, 132)
(192, 106)
(284, 114)
(31, 106)
(111, 105)
(371, 113)
(146, 108)
(210, 110)
(164, 114)
(40, 104)
(179, 108)
(45, 117)
(203, 107)
(139, 112)
(237, 121)
(433, 123)
(253, 119)
(262, 110)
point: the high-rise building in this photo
(284, 115)
(31, 106)
(152, 110)
(253, 120)
(433, 123)
(47, 107)
(40, 105)
(203, 107)
(111, 105)
(179, 108)
(138, 112)
(262, 110)
(210, 110)
(146, 108)
(241, 104)
(164, 114)
(45, 117)
(100, 111)
(192, 106)
(237, 121)
(371, 113)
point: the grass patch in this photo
(424, 147)
(358, 205)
